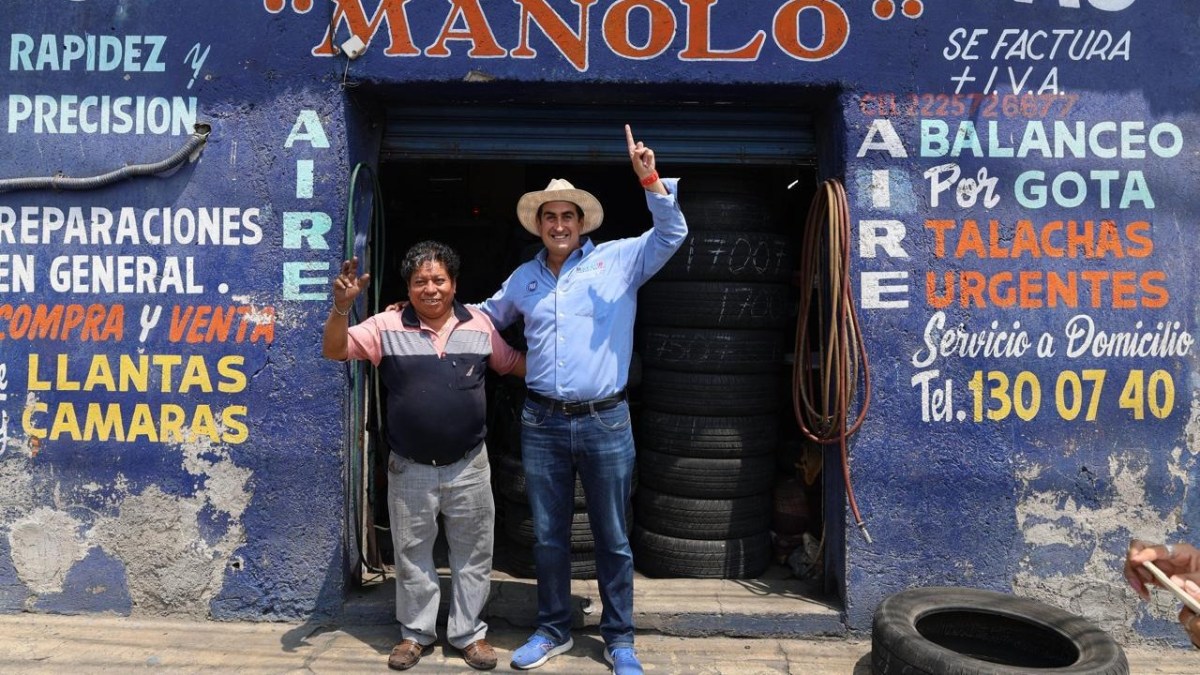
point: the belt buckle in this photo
(575, 408)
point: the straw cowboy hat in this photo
(559, 190)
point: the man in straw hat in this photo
(578, 300)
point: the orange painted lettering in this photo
(932, 297)
(1047, 231)
(616, 28)
(971, 241)
(199, 322)
(1141, 244)
(699, 37)
(939, 227)
(1030, 284)
(1110, 241)
(91, 324)
(1077, 238)
(835, 29)
(995, 249)
(476, 31)
(1001, 291)
(1123, 290)
(351, 13)
(1095, 280)
(179, 322)
(1064, 290)
(1025, 241)
(571, 44)
(1156, 294)
(971, 287)
(45, 321)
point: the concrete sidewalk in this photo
(39, 643)
(35, 643)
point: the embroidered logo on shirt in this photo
(532, 286)
(590, 268)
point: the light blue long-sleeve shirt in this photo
(579, 325)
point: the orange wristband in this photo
(650, 179)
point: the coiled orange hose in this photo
(823, 392)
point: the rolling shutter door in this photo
(693, 134)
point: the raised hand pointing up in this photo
(642, 158)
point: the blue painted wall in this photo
(245, 519)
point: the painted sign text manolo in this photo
(805, 30)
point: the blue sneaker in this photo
(623, 661)
(538, 650)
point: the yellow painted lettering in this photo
(229, 367)
(100, 375)
(61, 381)
(135, 375)
(204, 424)
(166, 362)
(27, 425)
(97, 426)
(236, 431)
(142, 424)
(171, 419)
(195, 374)
(65, 422)
(33, 381)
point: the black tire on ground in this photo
(733, 256)
(518, 561)
(714, 304)
(706, 436)
(658, 555)
(518, 526)
(706, 478)
(509, 478)
(711, 350)
(703, 518)
(969, 631)
(710, 394)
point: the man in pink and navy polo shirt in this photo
(431, 356)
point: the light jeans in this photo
(462, 493)
(599, 446)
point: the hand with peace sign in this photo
(642, 158)
(347, 285)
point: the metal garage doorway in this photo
(707, 469)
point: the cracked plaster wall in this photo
(1135, 506)
(170, 568)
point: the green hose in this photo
(362, 379)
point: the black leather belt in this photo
(576, 407)
(432, 462)
(437, 462)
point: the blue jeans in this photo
(599, 445)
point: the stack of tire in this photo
(517, 524)
(711, 338)
(514, 532)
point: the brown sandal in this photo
(479, 655)
(407, 653)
